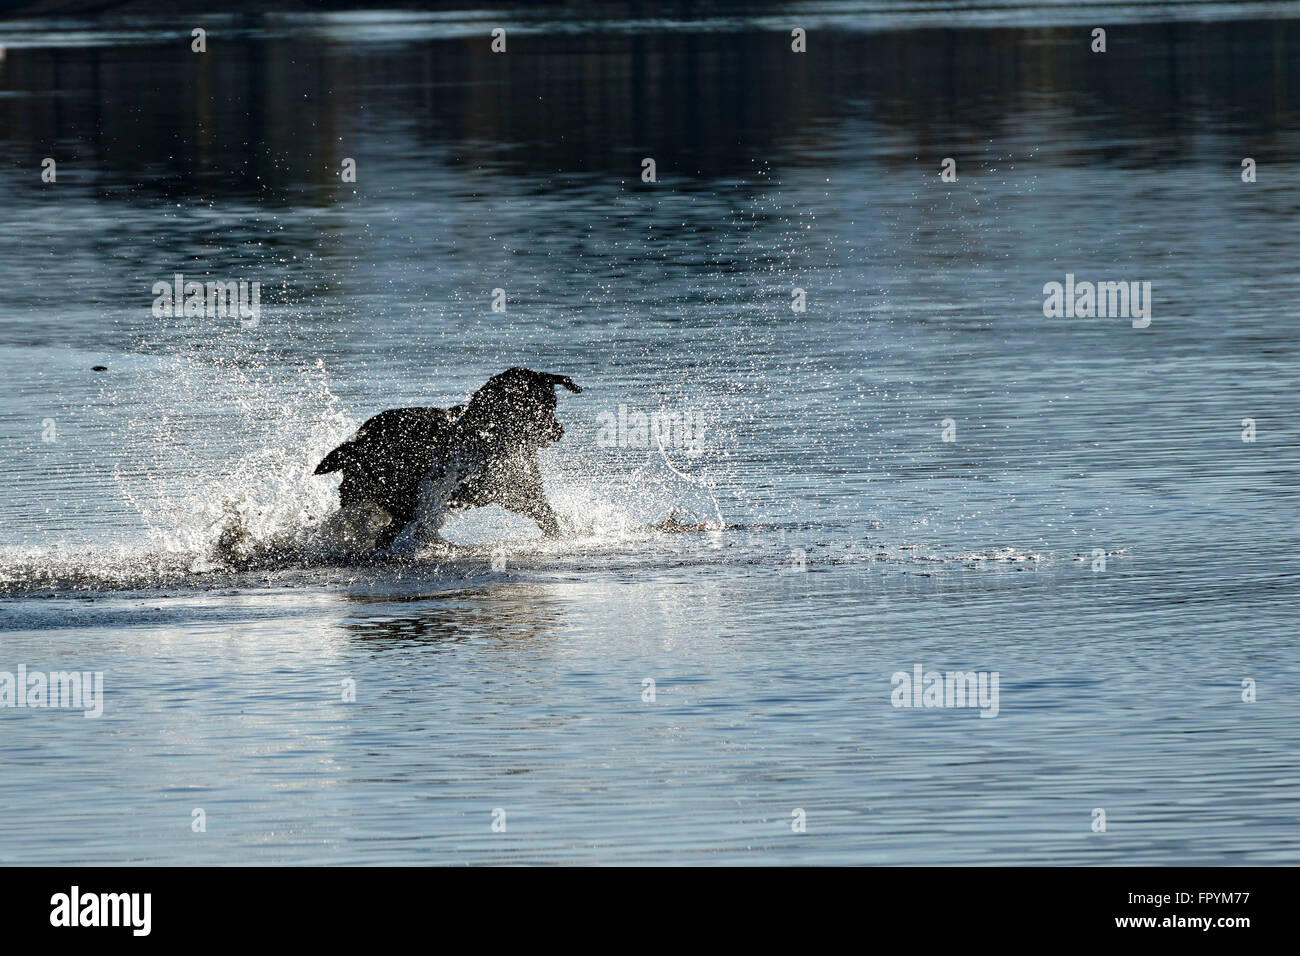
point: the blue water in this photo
(1097, 532)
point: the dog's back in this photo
(485, 452)
(388, 457)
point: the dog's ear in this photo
(561, 380)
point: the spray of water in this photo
(212, 461)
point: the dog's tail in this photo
(561, 380)
(335, 460)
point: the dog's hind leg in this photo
(354, 528)
(386, 536)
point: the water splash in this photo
(213, 457)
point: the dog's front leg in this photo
(530, 501)
(527, 498)
(542, 512)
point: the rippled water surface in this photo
(1097, 532)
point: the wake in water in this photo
(213, 460)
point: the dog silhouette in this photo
(481, 453)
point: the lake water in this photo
(1096, 532)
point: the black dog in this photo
(482, 453)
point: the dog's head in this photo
(518, 407)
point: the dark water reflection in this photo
(270, 115)
(505, 612)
